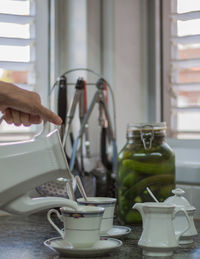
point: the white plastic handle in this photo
(178, 235)
(52, 223)
(45, 129)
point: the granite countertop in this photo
(22, 238)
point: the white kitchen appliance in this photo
(27, 164)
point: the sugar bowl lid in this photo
(179, 200)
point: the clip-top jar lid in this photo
(179, 200)
(147, 126)
(147, 132)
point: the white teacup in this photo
(108, 204)
(81, 227)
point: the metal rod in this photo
(99, 75)
(75, 83)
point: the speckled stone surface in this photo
(23, 237)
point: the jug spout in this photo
(27, 205)
(139, 207)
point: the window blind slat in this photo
(19, 19)
(186, 39)
(186, 16)
(186, 63)
(186, 109)
(186, 132)
(16, 41)
(17, 66)
(186, 87)
(19, 0)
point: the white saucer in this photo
(103, 246)
(117, 231)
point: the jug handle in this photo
(178, 235)
(45, 130)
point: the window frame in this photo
(166, 54)
(42, 37)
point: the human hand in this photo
(23, 107)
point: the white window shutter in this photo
(22, 52)
(184, 69)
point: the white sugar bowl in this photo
(180, 221)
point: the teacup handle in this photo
(178, 235)
(52, 223)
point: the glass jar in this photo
(145, 161)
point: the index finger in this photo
(48, 115)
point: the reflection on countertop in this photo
(22, 237)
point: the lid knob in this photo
(178, 192)
(179, 199)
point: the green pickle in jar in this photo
(145, 161)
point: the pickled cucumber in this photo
(133, 216)
(147, 168)
(130, 180)
(123, 172)
(152, 180)
(126, 155)
(165, 191)
(138, 199)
